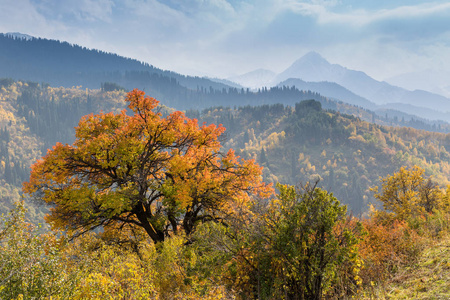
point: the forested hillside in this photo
(146, 204)
(348, 155)
(297, 143)
(33, 119)
(62, 64)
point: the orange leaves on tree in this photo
(158, 173)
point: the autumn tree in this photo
(162, 174)
(415, 213)
(407, 192)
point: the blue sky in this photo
(225, 38)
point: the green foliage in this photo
(303, 246)
(311, 238)
(348, 154)
(408, 194)
(36, 265)
(31, 265)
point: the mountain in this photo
(331, 90)
(62, 64)
(313, 67)
(226, 82)
(428, 80)
(425, 113)
(255, 79)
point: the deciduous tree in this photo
(407, 193)
(303, 246)
(159, 173)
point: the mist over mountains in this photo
(258, 121)
(313, 72)
(23, 57)
(435, 81)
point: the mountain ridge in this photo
(62, 64)
(254, 79)
(313, 67)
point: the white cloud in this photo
(22, 16)
(76, 10)
(363, 17)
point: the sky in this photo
(223, 38)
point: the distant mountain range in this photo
(57, 63)
(331, 90)
(435, 81)
(315, 73)
(255, 79)
(313, 67)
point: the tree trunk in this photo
(156, 236)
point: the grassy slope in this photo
(428, 278)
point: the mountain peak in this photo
(311, 58)
(310, 67)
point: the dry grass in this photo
(428, 278)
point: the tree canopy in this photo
(162, 174)
(407, 193)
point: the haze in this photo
(219, 38)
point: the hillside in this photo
(426, 279)
(33, 119)
(295, 144)
(347, 154)
(62, 64)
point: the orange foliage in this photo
(161, 174)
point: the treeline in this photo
(346, 153)
(64, 64)
(295, 143)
